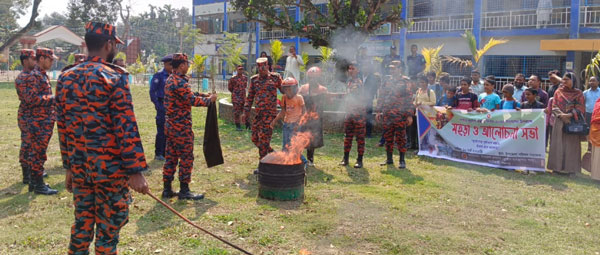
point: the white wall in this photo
(522, 45)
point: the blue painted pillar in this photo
(477, 10)
(297, 42)
(477, 19)
(225, 29)
(573, 30)
(257, 33)
(403, 31)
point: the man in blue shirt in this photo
(591, 96)
(157, 95)
(415, 62)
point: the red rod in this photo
(198, 227)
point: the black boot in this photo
(26, 174)
(238, 127)
(345, 160)
(168, 191)
(402, 162)
(185, 193)
(310, 156)
(390, 159)
(39, 187)
(359, 163)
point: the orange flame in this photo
(308, 116)
(294, 150)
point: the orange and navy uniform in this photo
(21, 85)
(355, 122)
(237, 86)
(39, 112)
(100, 144)
(263, 91)
(179, 100)
(396, 106)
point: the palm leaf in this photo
(276, 51)
(305, 60)
(326, 53)
(488, 46)
(471, 42)
(433, 61)
(462, 63)
(592, 68)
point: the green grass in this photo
(435, 207)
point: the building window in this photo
(429, 8)
(508, 66)
(508, 5)
(237, 23)
(210, 24)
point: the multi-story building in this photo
(543, 34)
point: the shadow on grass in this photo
(358, 175)
(20, 198)
(315, 175)
(159, 217)
(405, 174)
(557, 182)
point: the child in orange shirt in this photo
(292, 109)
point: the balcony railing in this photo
(273, 34)
(439, 24)
(531, 18)
(590, 16)
(282, 34)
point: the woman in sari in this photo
(565, 149)
(594, 139)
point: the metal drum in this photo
(281, 182)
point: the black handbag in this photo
(577, 127)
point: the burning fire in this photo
(294, 150)
(308, 116)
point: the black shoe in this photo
(238, 127)
(255, 172)
(390, 159)
(168, 191)
(159, 158)
(380, 144)
(359, 164)
(344, 161)
(45, 175)
(26, 175)
(185, 193)
(402, 162)
(42, 188)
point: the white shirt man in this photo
(292, 64)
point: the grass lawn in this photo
(435, 207)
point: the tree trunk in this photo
(14, 38)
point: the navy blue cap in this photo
(167, 58)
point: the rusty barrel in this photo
(281, 182)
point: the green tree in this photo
(231, 50)
(80, 12)
(10, 11)
(54, 19)
(190, 36)
(364, 16)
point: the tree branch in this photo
(372, 10)
(14, 38)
